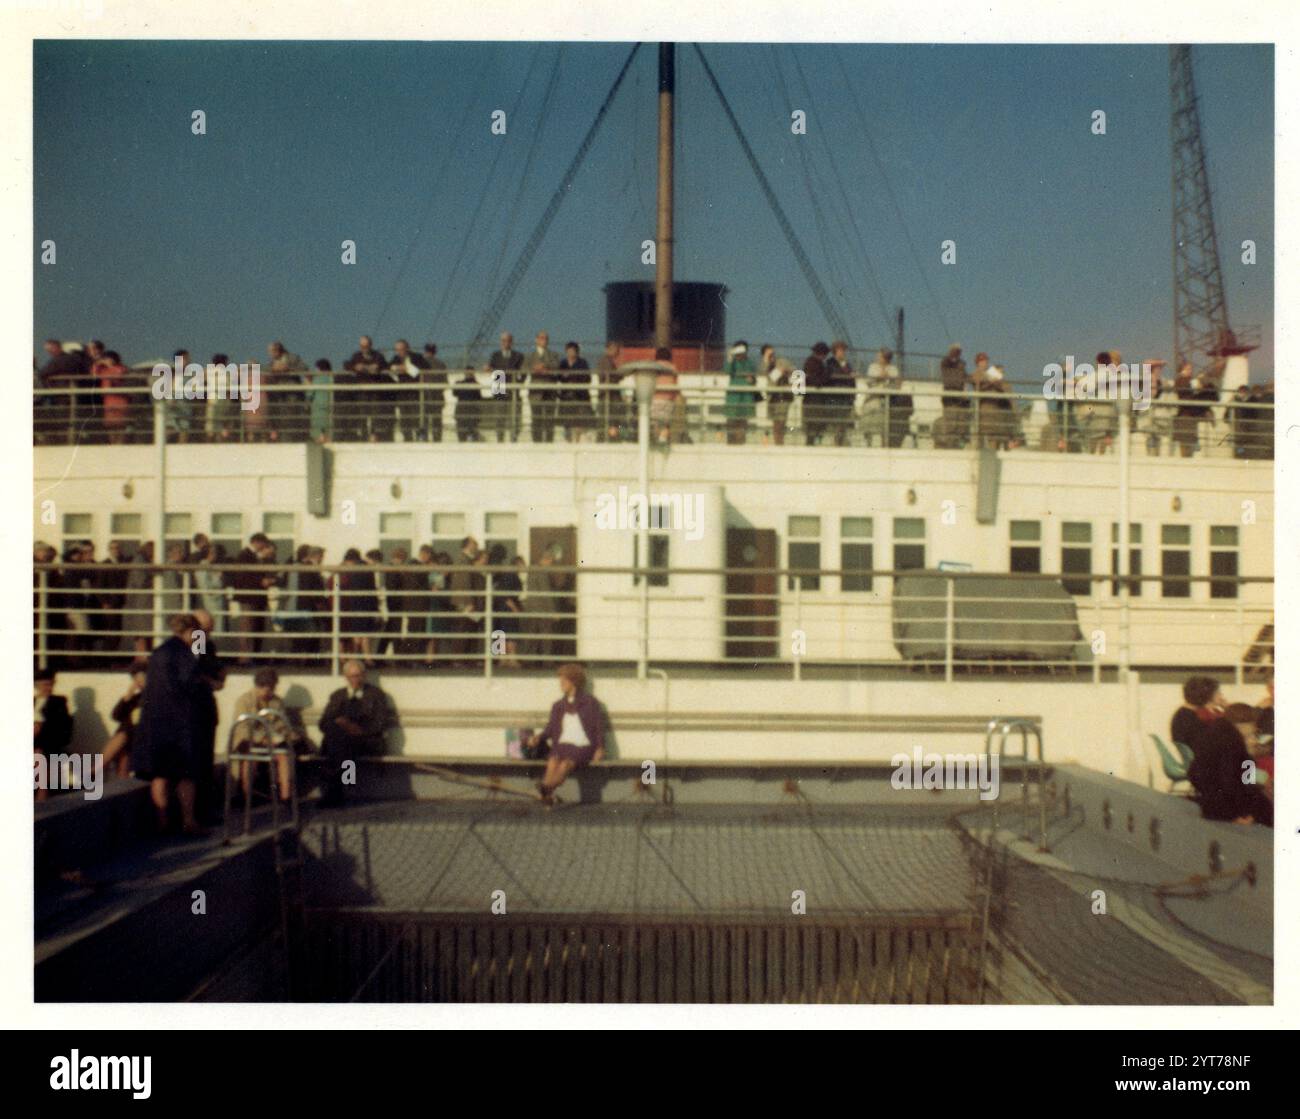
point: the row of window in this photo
(803, 545)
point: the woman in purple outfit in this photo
(575, 732)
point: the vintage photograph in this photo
(716, 522)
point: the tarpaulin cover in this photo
(1027, 618)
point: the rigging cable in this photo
(810, 275)
(524, 178)
(880, 168)
(865, 257)
(462, 130)
(453, 276)
(493, 314)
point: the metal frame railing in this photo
(250, 755)
(699, 408)
(589, 612)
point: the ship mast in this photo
(664, 223)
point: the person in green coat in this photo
(739, 405)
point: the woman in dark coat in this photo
(507, 607)
(358, 605)
(169, 745)
(575, 731)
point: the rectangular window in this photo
(127, 531)
(448, 532)
(658, 559)
(1224, 542)
(178, 528)
(1026, 547)
(78, 525)
(909, 543)
(1134, 559)
(855, 553)
(804, 549)
(1076, 555)
(228, 531)
(503, 529)
(1175, 561)
(280, 528)
(395, 531)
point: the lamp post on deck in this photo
(645, 388)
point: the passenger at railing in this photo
(433, 397)
(172, 582)
(617, 423)
(1221, 773)
(358, 604)
(386, 615)
(185, 417)
(543, 399)
(739, 405)
(872, 406)
(126, 714)
(441, 646)
(575, 731)
(1099, 416)
(952, 429)
(170, 743)
(469, 408)
(816, 411)
(348, 421)
(62, 370)
(776, 371)
(293, 609)
(288, 410)
(250, 595)
(209, 583)
(1251, 423)
(466, 588)
(316, 598)
(367, 364)
(74, 599)
(52, 619)
(839, 405)
(504, 410)
(381, 406)
(352, 725)
(667, 420)
(1203, 704)
(1266, 752)
(111, 584)
(406, 368)
(138, 604)
(575, 398)
(393, 588)
(320, 403)
(507, 607)
(998, 417)
(1157, 421)
(223, 419)
(1190, 415)
(282, 733)
(51, 720)
(114, 407)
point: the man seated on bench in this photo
(353, 724)
(575, 731)
(1219, 771)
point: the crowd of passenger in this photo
(1228, 750)
(379, 397)
(433, 608)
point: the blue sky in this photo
(225, 241)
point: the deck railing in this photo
(467, 407)
(485, 620)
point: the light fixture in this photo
(128, 489)
(911, 497)
(1177, 503)
(395, 489)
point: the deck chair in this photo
(1175, 768)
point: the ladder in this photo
(286, 843)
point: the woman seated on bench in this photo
(575, 731)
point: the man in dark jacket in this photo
(250, 589)
(353, 724)
(504, 409)
(432, 400)
(817, 409)
(406, 368)
(955, 422)
(373, 412)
